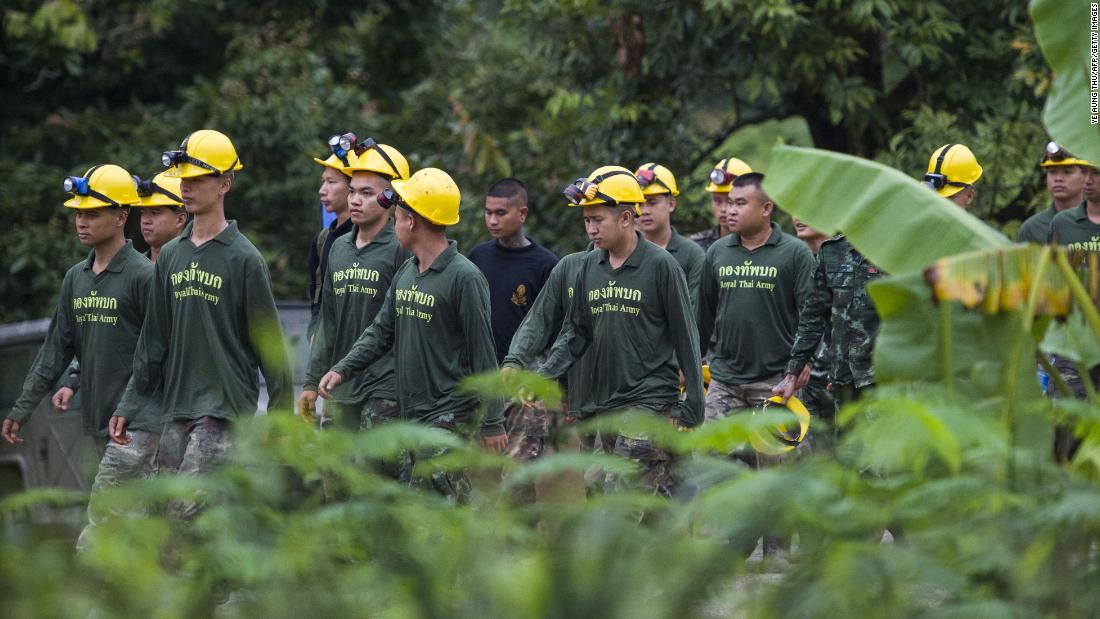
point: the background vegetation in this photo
(544, 90)
(951, 452)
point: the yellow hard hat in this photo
(952, 168)
(1055, 155)
(161, 191)
(656, 179)
(370, 156)
(721, 177)
(611, 184)
(782, 439)
(203, 152)
(430, 193)
(101, 185)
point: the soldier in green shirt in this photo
(1065, 178)
(659, 187)
(99, 315)
(1078, 229)
(211, 325)
(754, 283)
(632, 318)
(435, 318)
(360, 269)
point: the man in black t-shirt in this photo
(516, 268)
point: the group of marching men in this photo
(170, 345)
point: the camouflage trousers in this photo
(454, 485)
(120, 463)
(527, 428)
(655, 475)
(359, 415)
(819, 400)
(356, 417)
(724, 400)
(193, 447)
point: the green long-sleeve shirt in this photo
(636, 325)
(211, 327)
(1074, 229)
(1036, 228)
(751, 299)
(97, 320)
(543, 323)
(437, 324)
(355, 284)
(691, 258)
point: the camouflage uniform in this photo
(193, 447)
(840, 304)
(120, 463)
(453, 485)
(527, 428)
(656, 464)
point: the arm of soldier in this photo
(49, 364)
(816, 302)
(64, 395)
(694, 274)
(371, 345)
(707, 303)
(473, 312)
(320, 350)
(684, 330)
(574, 338)
(152, 345)
(537, 327)
(265, 335)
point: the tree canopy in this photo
(544, 90)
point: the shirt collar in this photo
(339, 229)
(442, 260)
(117, 262)
(675, 242)
(635, 258)
(225, 237)
(385, 236)
(773, 238)
(1081, 213)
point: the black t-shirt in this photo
(516, 276)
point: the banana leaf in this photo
(896, 222)
(1003, 280)
(1062, 29)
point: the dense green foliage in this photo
(543, 90)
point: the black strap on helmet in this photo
(369, 143)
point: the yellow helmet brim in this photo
(86, 202)
(712, 188)
(335, 166)
(1065, 162)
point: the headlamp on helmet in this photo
(177, 157)
(343, 144)
(81, 186)
(718, 176)
(76, 185)
(581, 190)
(388, 199)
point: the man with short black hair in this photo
(514, 265)
(516, 268)
(754, 283)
